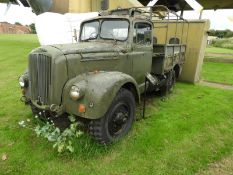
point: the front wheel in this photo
(117, 121)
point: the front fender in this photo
(100, 90)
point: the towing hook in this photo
(23, 99)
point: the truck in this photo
(101, 78)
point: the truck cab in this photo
(130, 36)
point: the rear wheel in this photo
(170, 83)
(117, 121)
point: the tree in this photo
(221, 33)
(19, 24)
(33, 28)
(229, 34)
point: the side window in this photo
(90, 30)
(142, 33)
(174, 41)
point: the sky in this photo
(220, 19)
(16, 13)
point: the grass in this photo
(182, 134)
(218, 65)
(218, 50)
(218, 72)
(219, 168)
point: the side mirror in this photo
(75, 35)
(104, 4)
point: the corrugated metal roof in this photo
(181, 4)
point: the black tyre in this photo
(170, 83)
(117, 121)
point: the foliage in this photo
(19, 24)
(221, 33)
(33, 28)
(223, 43)
(63, 140)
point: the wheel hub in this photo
(119, 120)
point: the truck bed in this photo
(166, 56)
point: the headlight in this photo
(76, 93)
(22, 82)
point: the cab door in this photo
(142, 50)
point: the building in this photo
(7, 28)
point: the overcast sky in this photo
(220, 19)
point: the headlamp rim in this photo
(22, 82)
(75, 89)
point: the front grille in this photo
(40, 77)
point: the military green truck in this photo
(101, 78)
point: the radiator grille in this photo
(40, 77)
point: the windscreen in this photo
(111, 29)
(114, 30)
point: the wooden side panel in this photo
(194, 36)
